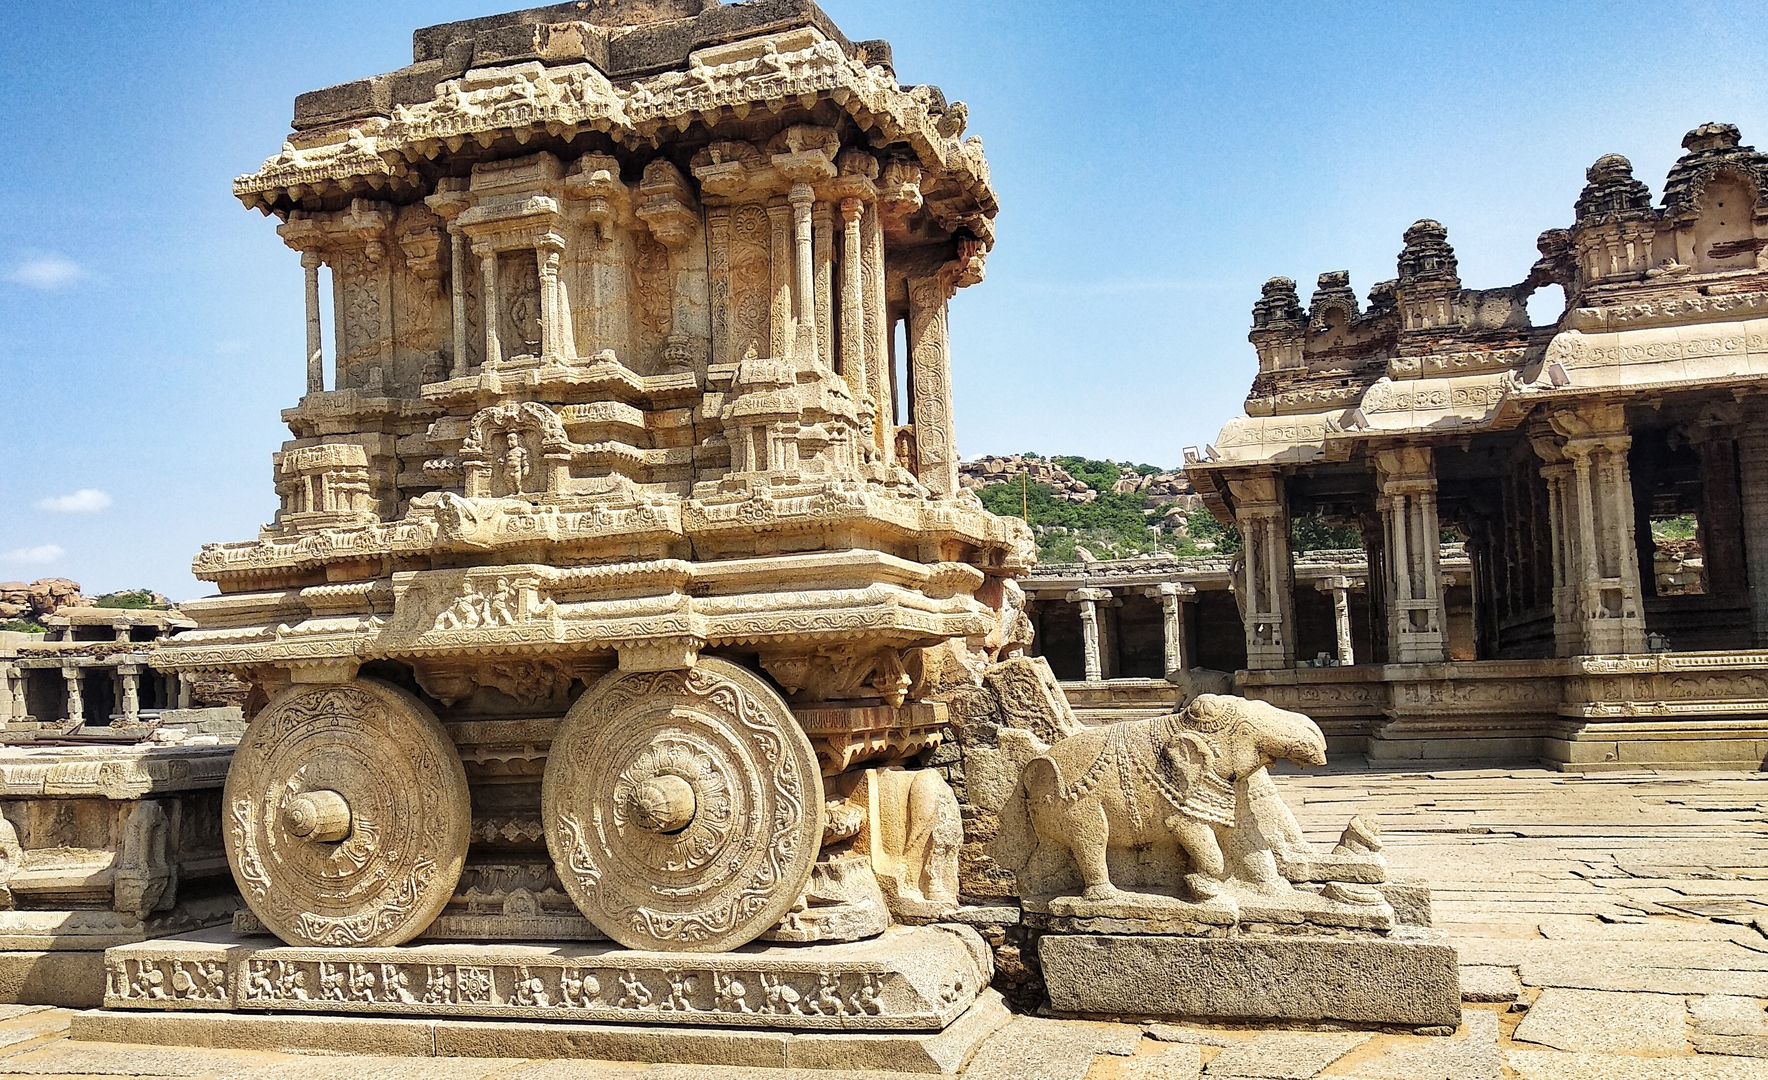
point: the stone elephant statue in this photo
(1132, 785)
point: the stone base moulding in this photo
(682, 1043)
(918, 979)
(1405, 979)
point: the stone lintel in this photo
(1409, 980)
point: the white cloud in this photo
(83, 501)
(47, 272)
(35, 556)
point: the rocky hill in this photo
(32, 602)
(1080, 508)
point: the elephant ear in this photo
(1192, 756)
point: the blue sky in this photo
(1156, 162)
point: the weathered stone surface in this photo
(1719, 1014)
(1037, 1049)
(826, 1053)
(1482, 982)
(1391, 980)
(1585, 1065)
(1596, 1020)
(1283, 1055)
(1470, 1054)
(71, 979)
(1165, 1063)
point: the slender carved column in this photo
(76, 708)
(878, 333)
(1340, 588)
(1752, 467)
(546, 261)
(823, 263)
(310, 264)
(779, 217)
(804, 277)
(853, 310)
(1721, 518)
(183, 688)
(457, 279)
(1406, 480)
(7, 677)
(488, 286)
(1089, 600)
(1174, 595)
(131, 704)
(718, 268)
(1266, 584)
(20, 703)
(930, 355)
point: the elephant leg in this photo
(1203, 852)
(1088, 835)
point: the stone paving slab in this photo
(1598, 1020)
(1284, 1055)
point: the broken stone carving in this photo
(610, 531)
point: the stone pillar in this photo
(1721, 518)
(76, 708)
(1340, 588)
(823, 281)
(1174, 595)
(1601, 561)
(310, 264)
(1266, 585)
(878, 333)
(853, 305)
(20, 703)
(1089, 600)
(546, 262)
(1406, 482)
(131, 696)
(802, 199)
(1752, 468)
(7, 676)
(779, 217)
(457, 279)
(930, 359)
(182, 686)
(488, 286)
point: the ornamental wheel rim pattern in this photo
(683, 809)
(384, 773)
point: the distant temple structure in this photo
(1435, 412)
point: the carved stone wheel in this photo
(347, 815)
(683, 808)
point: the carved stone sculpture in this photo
(598, 582)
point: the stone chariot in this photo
(612, 537)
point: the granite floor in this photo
(1610, 927)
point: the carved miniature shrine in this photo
(1554, 452)
(616, 513)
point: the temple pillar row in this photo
(1598, 608)
(1266, 581)
(1406, 499)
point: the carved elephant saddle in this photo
(1123, 763)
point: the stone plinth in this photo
(839, 1052)
(919, 979)
(1406, 978)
